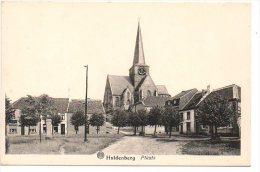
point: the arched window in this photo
(141, 95)
(117, 101)
(128, 95)
(149, 93)
(155, 93)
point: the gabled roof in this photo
(183, 93)
(193, 101)
(94, 106)
(162, 89)
(153, 101)
(229, 92)
(119, 83)
(147, 80)
(61, 104)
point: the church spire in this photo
(139, 51)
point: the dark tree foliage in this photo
(155, 117)
(134, 120)
(144, 119)
(8, 112)
(170, 118)
(55, 120)
(97, 120)
(77, 119)
(30, 115)
(119, 119)
(215, 111)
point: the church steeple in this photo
(139, 51)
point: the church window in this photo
(155, 93)
(149, 93)
(117, 101)
(128, 95)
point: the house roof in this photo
(94, 106)
(162, 89)
(155, 101)
(193, 101)
(229, 92)
(183, 93)
(60, 103)
(119, 83)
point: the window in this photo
(55, 129)
(12, 130)
(188, 126)
(188, 115)
(44, 128)
(174, 102)
(32, 130)
(149, 93)
(62, 117)
(181, 116)
(117, 101)
(128, 95)
(155, 93)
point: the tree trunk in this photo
(142, 129)
(97, 129)
(216, 131)
(52, 129)
(118, 130)
(211, 131)
(135, 130)
(76, 131)
(154, 129)
(28, 130)
(170, 135)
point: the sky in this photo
(46, 45)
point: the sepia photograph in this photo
(126, 83)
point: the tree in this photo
(77, 119)
(29, 115)
(214, 111)
(28, 119)
(55, 120)
(134, 120)
(144, 119)
(119, 119)
(170, 118)
(97, 120)
(154, 117)
(8, 112)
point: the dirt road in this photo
(144, 145)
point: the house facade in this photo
(189, 125)
(65, 108)
(123, 91)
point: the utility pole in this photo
(86, 104)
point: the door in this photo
(22, 130)
(62, 128)
(181, 129)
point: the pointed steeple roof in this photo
(139, 51)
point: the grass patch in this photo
(228, 147)
(72, 144)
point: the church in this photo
(121, 92)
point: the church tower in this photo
(139, 69)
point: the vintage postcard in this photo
(163, 84)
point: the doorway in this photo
(62, 129)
